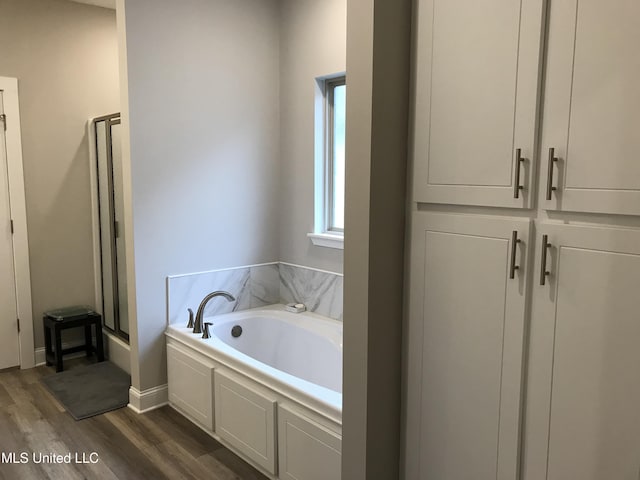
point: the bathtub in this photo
(297, 355)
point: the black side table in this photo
(71, 317)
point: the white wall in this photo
(313, 44)
(204, 146)
(65, 56)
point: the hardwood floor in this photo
(161, 444)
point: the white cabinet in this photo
(306, 449)
(592, 107)
(190, 383)
(465, 338)
(477, 97)
(477, 81)
(475, 63)
(245, 418)
(464, 377)
(583, 405)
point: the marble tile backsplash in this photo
(255, 286)
(320, 291)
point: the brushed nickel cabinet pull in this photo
(552, 159)
(543, 261)
(517, 187)
(514, 244)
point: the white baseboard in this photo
(41, 358)
(149, 399)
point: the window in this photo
(336, 113)
(330, 162)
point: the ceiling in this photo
(99, 3)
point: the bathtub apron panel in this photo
(246, 419)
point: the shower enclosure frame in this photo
(109, 210)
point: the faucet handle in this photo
(207, 333)
(190, 324)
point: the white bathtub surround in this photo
(272, 394)
(297, 354)
(320, 291)
(255, 286)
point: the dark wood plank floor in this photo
(161, 444)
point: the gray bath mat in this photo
(90, 390)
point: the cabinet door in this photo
(246, 419)
(190, 383)
(592, 107)
(477, 79)
(465, 343)
(306, 450)
(583, 401)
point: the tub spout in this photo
(197, 327)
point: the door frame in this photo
(9, 87)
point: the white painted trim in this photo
(149, 399)
(319, 146)
(9, 86)
(328, 240)
(320, 160)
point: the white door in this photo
(465, 342)
(592, 107)
(477, 77)
(583, 403)
(9, 342)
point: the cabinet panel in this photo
(476, 100)
(190, 384)
(592, 106)
(465, 337)
(246, 419)
(584, 386)
(306, 450)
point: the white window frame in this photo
(324, 234)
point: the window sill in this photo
(328, 240)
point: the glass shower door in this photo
(111, 212)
